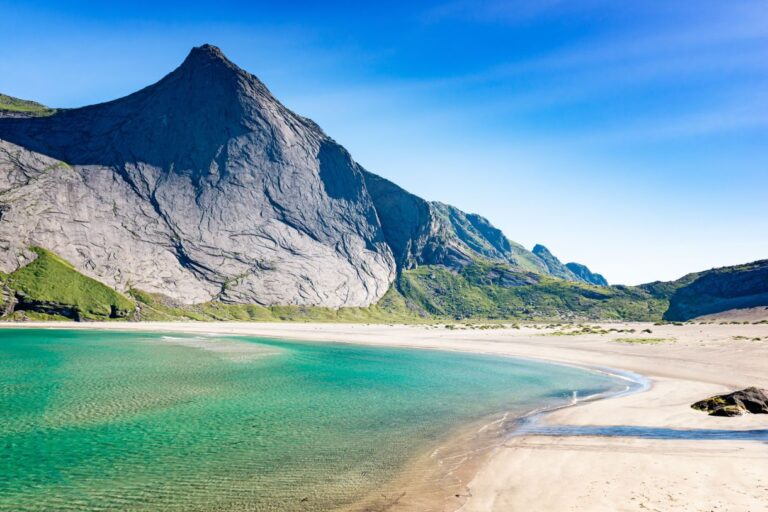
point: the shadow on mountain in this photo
(186, 121)
(338, 172)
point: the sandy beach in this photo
(651, 469)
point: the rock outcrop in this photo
(753, 400)
(553, 265)
(568, 271)
(584, 274)
(204, 187)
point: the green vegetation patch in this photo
(52, 286)
(483, 290)
(4, 292)
(11, 104)
(579, 331)
(645, 341)
(36, 316)
(391, 308)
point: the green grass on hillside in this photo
(481, 291)
(11, 104)
(469, 293)
(390, 309)
(50, 284)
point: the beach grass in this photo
(645, 341)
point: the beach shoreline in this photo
(532, 471)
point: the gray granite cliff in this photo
(203, 186)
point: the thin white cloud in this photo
(718, 119)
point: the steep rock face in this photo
(204, 187)
(201, 186)
(568, 271)
(432, 233)
(407, 221)
(479, 237)
(584, 274)
(553, 265)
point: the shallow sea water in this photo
(98, 421)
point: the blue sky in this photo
(629, 136)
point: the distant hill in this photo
(484, 290)
(719, 290)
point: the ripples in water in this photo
(98, 421)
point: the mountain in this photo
(582, 272)
(493, 290)
(203, 197)
(200, 187)
(552, 264)
(204, 187)
(568, 271)
(431, 233)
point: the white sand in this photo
(542, 473)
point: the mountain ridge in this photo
(237, 198)
(204, 190)
(227, 183)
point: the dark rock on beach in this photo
(753, 400)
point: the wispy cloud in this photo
(706, 67)
(715, 120)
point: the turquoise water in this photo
(135, 421)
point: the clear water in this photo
(135, 421)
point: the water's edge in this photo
(438, 478)
(445, 485)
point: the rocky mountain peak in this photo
(553, 265)
(203, 186)
(206, 67)
(205, 53)
(208, 56)
(540, 250)
(586, 275)
(210, 188)
(185, 121)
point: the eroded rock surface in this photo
(204, 187)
